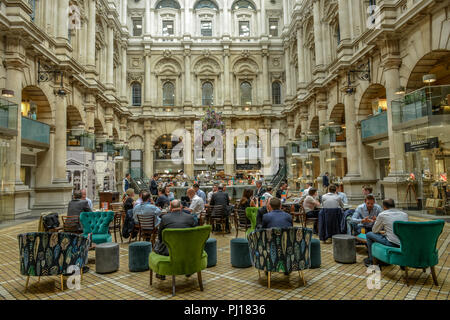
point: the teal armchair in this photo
(251, 213)
(97, 223)
(417, 246)
(186, 254)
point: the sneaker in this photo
(367, 262)
(160, 277)
(188, 275)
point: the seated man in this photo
(385, 222)
(177, 219)
(365, 215)
(77, 206)
(311, 206)
(197, 205)
(146, 208)
(331, 200)
(343, 197)
(221, 198)
(276, 218)
(163, 199)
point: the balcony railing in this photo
(425, 102)
(374, 126)
(35, 133)
(8, 117)
(82, 139)
(122, 150)
(310, 144)
(107, 146)
(331, 136)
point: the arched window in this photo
(207, 94)
(243, 4)
(168, 94)
(136, 93)
(206, 4)
(246, 93)
(168, 4)
(276, 92)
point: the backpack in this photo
(51, 221)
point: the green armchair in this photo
(97, 223)
(251, 213)
(417, 246)
(186, 254)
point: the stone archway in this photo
(35, 100)
(435, 62)
(368, 105)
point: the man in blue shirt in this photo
(365, 215)
(146, 208)
(276, 218)
(163, 199)
(343, 197)
(199, 192)
(126, 183)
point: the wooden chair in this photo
(116, 225)
(241, 221)
(147, 228)
(71, 224)
(218, 217)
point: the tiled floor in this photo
(331, 281)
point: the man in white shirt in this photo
(383, 229)
(306, 191)
(210, 194)
(197, 204)
(331, 200)
(84, 197)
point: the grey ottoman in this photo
(344, 250)
(107, 257)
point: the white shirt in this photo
(385, 221)
(197, 205)
(332, 200)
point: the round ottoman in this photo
(211, 250)
(138, 253)
(107, 257)
(316, 259)
(240, 253)
(344, 250)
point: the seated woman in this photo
(311, 205)
(128, 202)
(246, 200)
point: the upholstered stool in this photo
(344, 250)
(138, 253)
(316, 259)
(107, 257)
(211, 250)
(240, 253)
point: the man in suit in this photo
(126, 183)
(260, 190)
(77, 206)
(221, 198)
(177, 219)
(154, 185)
(276, 218)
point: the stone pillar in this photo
(63, 20)
(268, 157)
(318, 34)
(147, 92)
(287, 71)
(90, 54)
(301, 56)
(266, 82)
(226, 18)
(110, 57)
(291, 138)
(187, 20)
(124, 13)
(229, 149)
(352, 137)
(90, 113)
(59, 172)
(226, 58)
(263, 19)
(148, 152)
(188, 147)
(109, 122)
(123, 93)
(321, 104)
(344, 21)
(285, 12)
(147, 17)
(367, 164)
(187, 78)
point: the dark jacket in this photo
(78, 206)
(220, 198)
(259, 218)
(260, 193)
(277, 219)
(153, 187)
(162, 201)
(176, 220)
(128, 225)
(279, 193)
(325, 181)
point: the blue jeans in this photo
(380, 238)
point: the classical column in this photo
(366, 161)
(90, 113)
(229, 149)
(109, 123)
(59, 172)
(288, 68)
(321, 104)
(352, 136)
(187, 20)
(266, 83)
(226, 58)
(263, 19)
(63, 20)
(344, 21)
(123, 79)
(124, 13)
(147, 17)
(187, 78)
(148, 152)
(110, 57)
(318, 34)
(90, 54)
(188, 147)
(226, 18)
(147, 93)
(301, 56)
(285, 12)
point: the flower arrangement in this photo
(213, 120)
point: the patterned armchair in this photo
(97, 223)
(281, 250)
(51, 253)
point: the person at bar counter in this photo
(175, 219)
(383, 229)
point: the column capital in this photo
(147, 126)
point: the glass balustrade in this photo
(36, 131)
(8, 115)
(374, 125)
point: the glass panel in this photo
(207, 94)
(168, 4)
(276, 93)
(136, 89)
(243, 4)
(206, 4)
(168, 94)
(8, 114)
(168, 29)
(137, 27)
(273, 27)
(206, 28)
(35, 131)
(246, 93)
(244, 28)
(374, 125)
